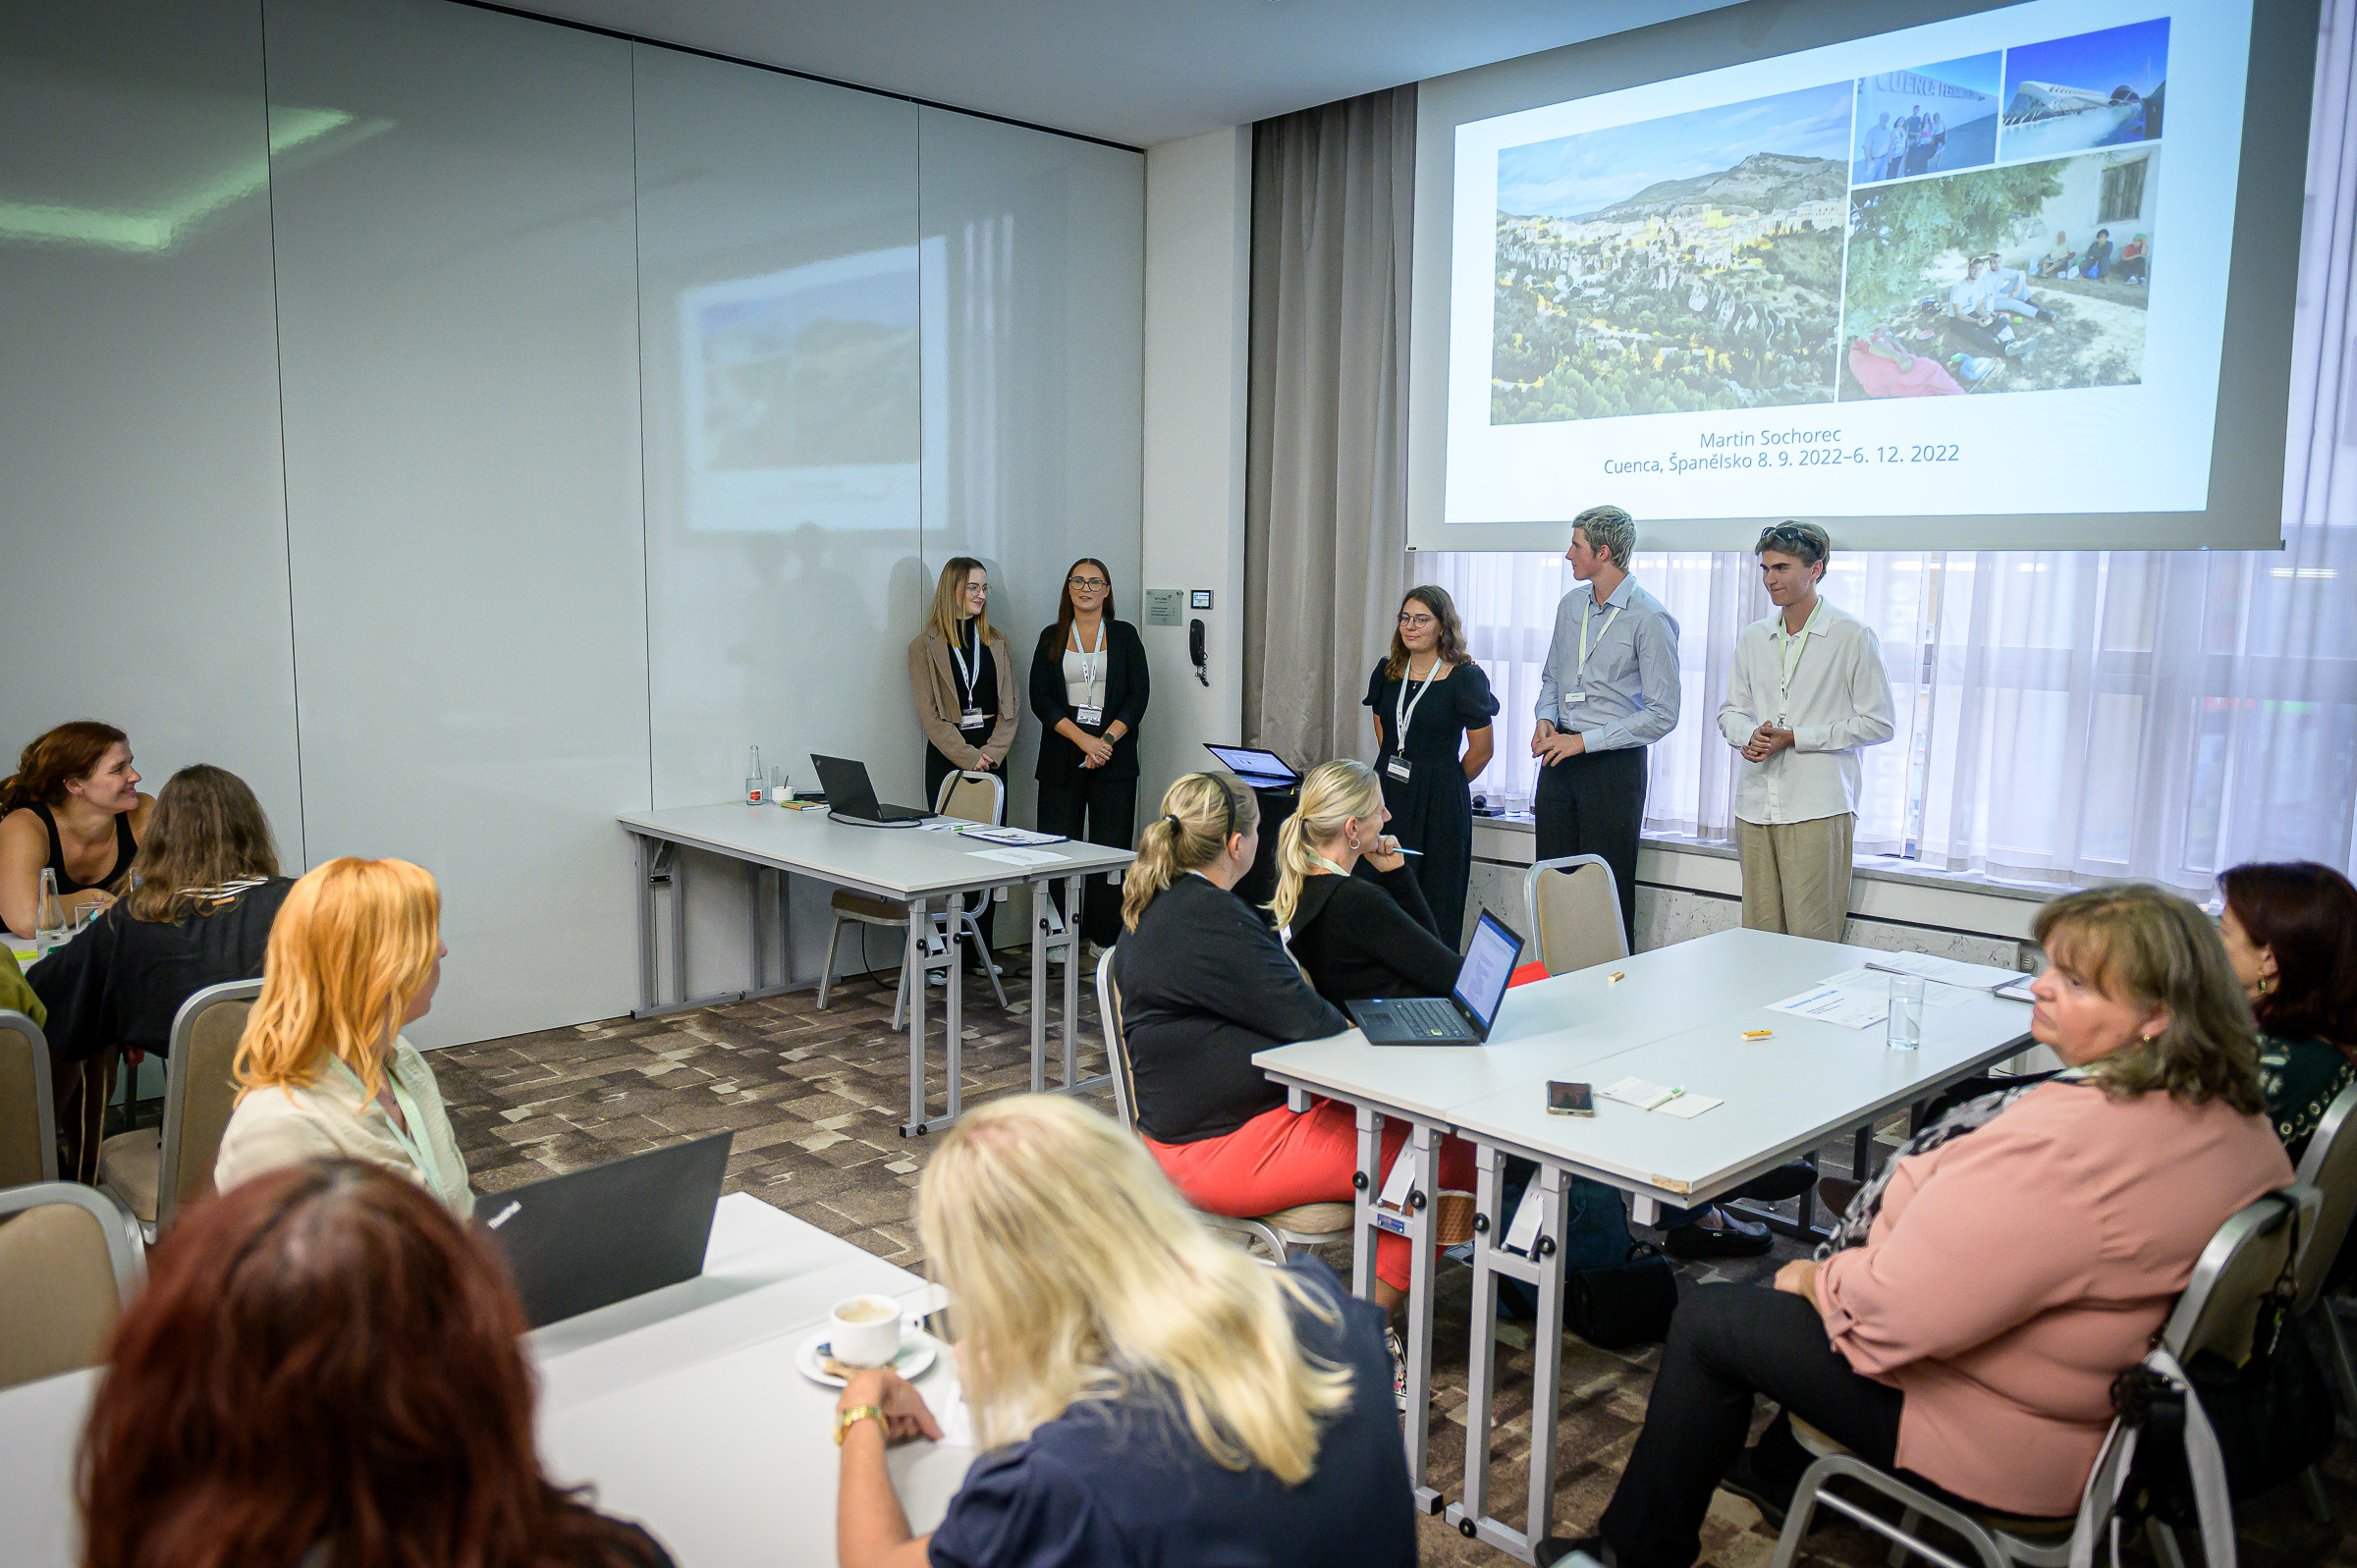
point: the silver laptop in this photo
(1464, 1016)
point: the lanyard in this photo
(403, 1134)
(1088, 660)
(966, 676)
(1403, 709)
(1602, 632)
(1790, 645)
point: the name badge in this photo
(1399, 768)
(1574, 698)
(971, 719)
(1089, 718)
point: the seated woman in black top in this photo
(73, 807)
(1204, 983)
(1356, 937)
(2291, 934)
(1089, 688)
(1142, 1392)
(209, 889)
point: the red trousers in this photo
(1281, 1157)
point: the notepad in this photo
(1638, 1093)
(1016, 837)
(1022, 857)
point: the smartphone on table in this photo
(1569, 1098)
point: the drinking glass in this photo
(1906, 1012)
(51, 926)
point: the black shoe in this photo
(1554, 1549)
(1784, 1181)
(1741, 1238)
(1772, 1500)
(1837, 1193)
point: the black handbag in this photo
(2272, 1415)
(1627, 1303)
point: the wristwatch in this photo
(844, 1419)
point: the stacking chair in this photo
(2329, 1166)
(2217, 1312)
(70, 1260)
(151, 1172)
(970, 798)
(1306, 1224)
(1575, 913)
(28, 1113)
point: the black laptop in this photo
(590, 1238)
(850, 796)
(1464, 1017)
(1260, 769)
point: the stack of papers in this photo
(1860, 998)
(1656, 1096)
(1008, 836)
(1020, 857)
(1948, 971)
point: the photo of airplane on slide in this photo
(1685, 263)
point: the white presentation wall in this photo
(630, 401)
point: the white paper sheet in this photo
(1020, 857)
(1835, 1005)
(1876, 984)
(1948, 971)
(1637, 1091)
(1687, 1107)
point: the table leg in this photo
(913, 977)
(1423, 1208)
(1369, 1182)
(1481, 1357)
(957, 1009)
(1491, 1261)
(1546, 1365)
(752, 921)
(647, 922)
(1071, 983)
(1043, 910)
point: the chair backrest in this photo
(70, 1260)
(2329, 1166)
(28, 1113)
(198, 1091)
(1116, 1043)
(1575, 913)
(972, 798)
(2241, 1264)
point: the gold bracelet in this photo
(844, 1419)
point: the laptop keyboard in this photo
(1427, 1015)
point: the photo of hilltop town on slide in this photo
(1883, 237)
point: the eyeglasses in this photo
(1088, 582)
(1417, 622)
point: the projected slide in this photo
(1922, 273)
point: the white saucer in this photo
(919, 1351)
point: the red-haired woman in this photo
(73, 807)
(326, 1368)
(2291, 935)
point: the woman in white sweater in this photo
(323, 1072)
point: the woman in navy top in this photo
(1428, 763)
(1142, 1392)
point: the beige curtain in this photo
(1325, 498)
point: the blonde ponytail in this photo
(1198, 813)
(1333, 792)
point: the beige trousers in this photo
(1797, 875)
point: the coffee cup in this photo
(865, 1331)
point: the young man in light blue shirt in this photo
(1609, 688)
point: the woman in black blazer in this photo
(1356, 934)
(1089, 687)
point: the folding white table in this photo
(925, 868)
(1675, 1019)
(682, 1407)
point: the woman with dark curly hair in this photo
(1430, 752)
(327, 1368)
(2291, 934)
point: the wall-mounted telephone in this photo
(1194, 651)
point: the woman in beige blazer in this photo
(963, 682)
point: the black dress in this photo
(1432, 810)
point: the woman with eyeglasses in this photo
(962, 679)
(1089, 688)
(1433, 708)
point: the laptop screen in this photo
(1481, 980)
(1247, 763)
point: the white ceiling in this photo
(1136, 72)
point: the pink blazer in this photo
(2012, 1272)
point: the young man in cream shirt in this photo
(1806, 696)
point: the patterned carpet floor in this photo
(816, 1100)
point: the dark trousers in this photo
(1100, 811)
(937, 767)
(1595, 805)
(1728, 1343)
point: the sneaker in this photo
(2021, 350)
(1391, 1340)
(1729, 1239)
(1772, 1500)
(1556, 1548)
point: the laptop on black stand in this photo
(850, 797)
(1466, 1017)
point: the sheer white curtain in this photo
(2062, 716)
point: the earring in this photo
(2147, 1039)
(2266, 984)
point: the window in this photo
(2062, 715)
(2121, 199)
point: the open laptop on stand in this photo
(1464, 1017)
(1259, 769)
(852, 799)
(589, 1238)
